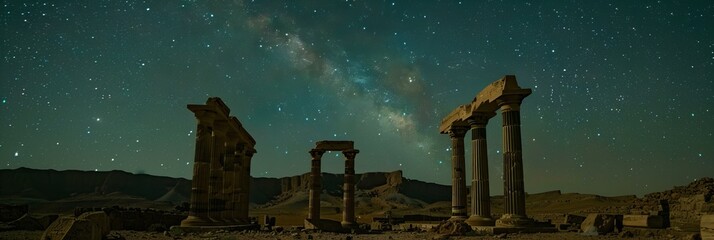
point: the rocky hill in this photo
(25, 185)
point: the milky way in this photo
(622, 103)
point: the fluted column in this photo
(229, 178)
(238, 191)
(348, 199)
(216, 203)
(514, 191)
(198, 210)
(245, 185)
(458, 175)
(480, 194)
(315, 185)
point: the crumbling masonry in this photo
(220, 188)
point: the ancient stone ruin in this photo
(313, 220)
(221, 171)
(506, 95)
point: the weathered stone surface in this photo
(453, 228)
(88, 226)
(707, 227)
(597, 223)
(646, 221)
(99, 219)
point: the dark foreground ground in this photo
(130, 235)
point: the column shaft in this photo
(238, 190)
(348, 199)
(216, 203)
(229, 180)
(458, 176)
(480, 194)
(315, 185)
(198, 209)
(245, 184)
(514, 191)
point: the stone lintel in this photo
(244, 135)
(334, 145)
(454, 118)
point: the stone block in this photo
(707, 227)
(88, 226)
(598, 224)
(99, 219)
(574, 219)
(334, 145)
(645, 221)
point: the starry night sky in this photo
(622, 103)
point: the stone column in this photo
(198, 210)
(315, 185)
(229, 178)
(238, 190)
(216, 203)
(514, 191)
(245, 185)
(458, 174)
(480, 194)
(348, 199)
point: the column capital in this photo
(480, 119)
(249, 152)
(458, 131)
(510, 102)
(316, 154)
(350, 153)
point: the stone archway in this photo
(313, 220)
(506, 95)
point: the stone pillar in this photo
(480, 194)
(348, 199)
(198, 210)
(216, 203)
(245, 185)
(458, 174)
(514, 191)
(229, 178)
(315, 185)
(238, 190)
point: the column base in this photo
(194, 221)
(513, 220)
(476, 220)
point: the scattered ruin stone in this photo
(598, 224)
(453, 228)
(646, 221)
(88, 226)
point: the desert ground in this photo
(286, 200)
